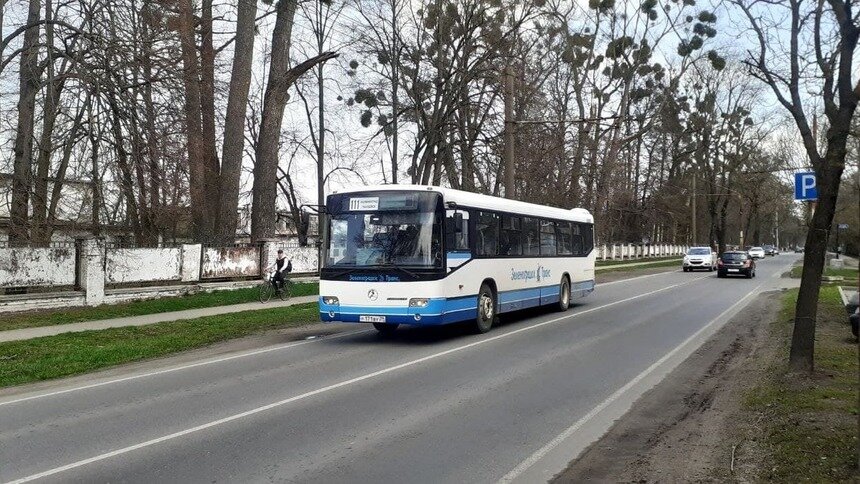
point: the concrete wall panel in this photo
(140, 265)
(230, 262)
(37, 267)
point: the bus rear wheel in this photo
(486, 309)
(385, 328)
(564, 294)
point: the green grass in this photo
(75, 353)
(607, 263)
(848, 273)
(32, 319)
(667, 263)
(810, 422)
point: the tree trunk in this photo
(23, 159)
(202, 224)
(53, 89)
(274, 100)
(801, 356)
(211, 165)
(281, 77)
(234, 122)
(153, 170)
(126, 183)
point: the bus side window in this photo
(511, 236)
(458, 240)
(531, 240)
(578, 249)
(563, 238)
(547, 238)
(588, 238)
(487, 234)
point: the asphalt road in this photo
(515, 404)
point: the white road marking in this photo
(179, 368)
(635, 278)
(228, 358)
(566, 433)
(329, 388)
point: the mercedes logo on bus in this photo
(372, 295)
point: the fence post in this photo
(92, 276)
(268, 253)
(190, 262)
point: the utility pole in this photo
(510, 126)
(777, 230)
(693, 215)
(395, 62)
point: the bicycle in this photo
(284, 290)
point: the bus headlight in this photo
(330, 300)
(418, 302)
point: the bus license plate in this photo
(734, 270)
(371, 319)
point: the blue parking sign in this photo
(804, 186)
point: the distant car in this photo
(699, 258)
(798, 249)
(769, 250)
(756, 252)
(736, 263)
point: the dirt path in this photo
(684, 429)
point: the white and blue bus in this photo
(422, 255)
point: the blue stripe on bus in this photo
(458, 255)
(450, 310)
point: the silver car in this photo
(699, 258)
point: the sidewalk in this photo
(28, 333)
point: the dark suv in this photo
(735, 263)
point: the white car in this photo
(700, 258)
(756, 252)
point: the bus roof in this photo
(477, 200)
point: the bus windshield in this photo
(399, 228)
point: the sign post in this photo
(838, 228)
(805, 186)
(805, 189)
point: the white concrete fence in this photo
(88, 273)
(638, 251)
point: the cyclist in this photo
(281, 267)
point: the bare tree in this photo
(281, 77)
(234, 121)
(822, 35)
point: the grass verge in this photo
(32, 319)
(75, 353)
(809, 423)
(609, 263)
(668, 263)
(848, 273)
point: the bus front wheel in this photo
(564, 294)
(486, 309)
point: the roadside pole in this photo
(509, 138)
